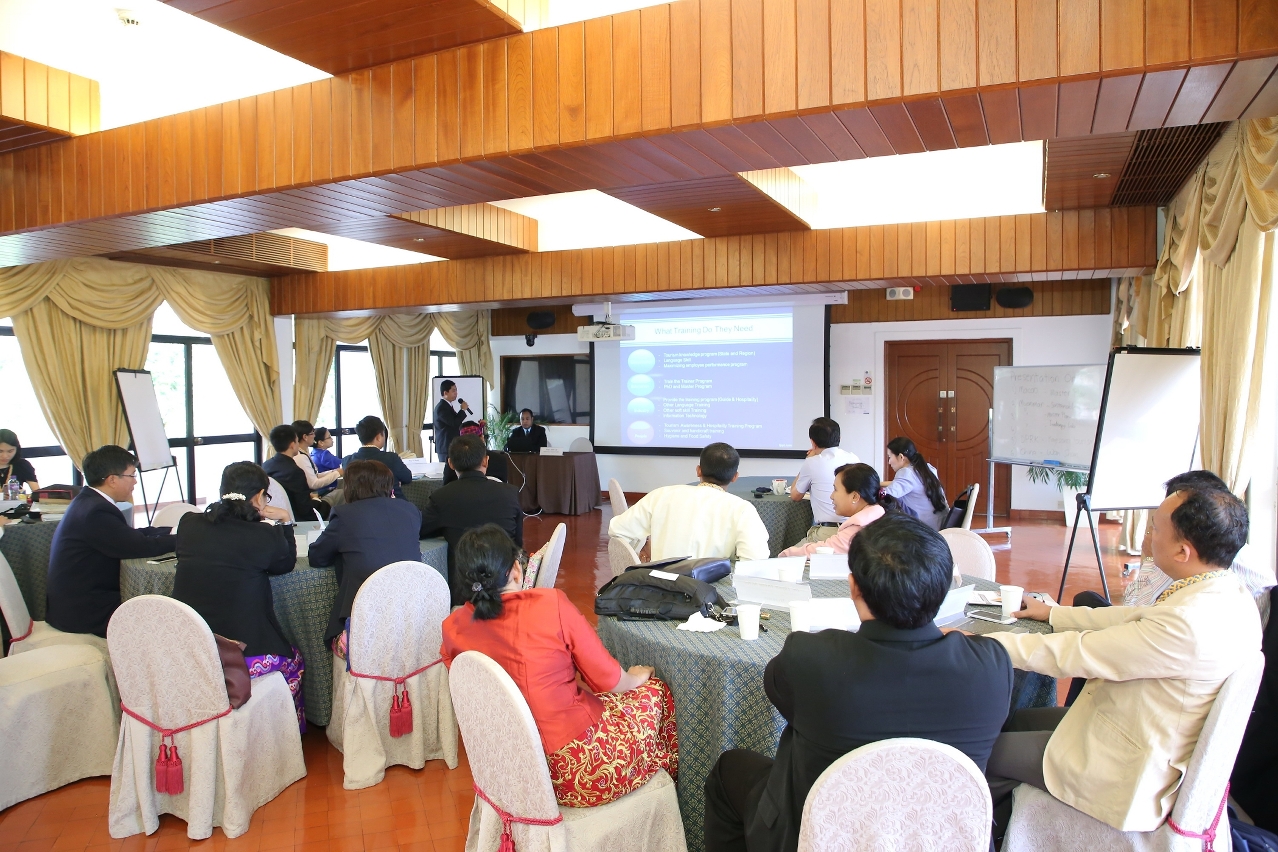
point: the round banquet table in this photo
(786, 520)
(26, 548)
(416, 492)
(303, 602)
(717, 682)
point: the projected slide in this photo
(690, 381)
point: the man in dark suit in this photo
(529, 437)
(448, 422)
(285, 471)
(92, 538)
(371, 432)
(472, 501)
(898, 676)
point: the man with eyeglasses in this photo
(91, 539)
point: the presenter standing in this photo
(450, 413)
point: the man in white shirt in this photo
(697, 520)
(816, 477)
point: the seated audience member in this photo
(1119, 753)
(226, 558)
(472, 501)
(367, 532)
(816, 477)
(528, 437)
(12, 464)
(914, 483)
(497, 461)
(92, 538)
(605, 731)
(323, 460)
(283, 469)
(372, 433)
(856, 496)
(898, 676)
(697, 520)
(315, 480)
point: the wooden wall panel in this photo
(40, 104)
(513, 322)
(1011, 248)
(1051, 299)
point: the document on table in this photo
(828, 566)
(788, 569)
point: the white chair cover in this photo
(971, 506)
(396, 628)
(58, 722)
(972, 554)
(172, 513)
(550, 565)
(168, 669)
(279, 498)
(621, 555)
(507, 763)
(617, 497)
(581, 445)
(1043, 823)
(898, 794)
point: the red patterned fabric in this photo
(633, 739)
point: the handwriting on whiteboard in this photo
(1047, 413)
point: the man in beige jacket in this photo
(1119, 753)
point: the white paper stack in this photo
(788, 569)
(425, 468)
(828, 566)
(772, 583)
(819, 614)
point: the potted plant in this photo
(499, 426)
(1068, 482)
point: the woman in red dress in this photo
(601, 742)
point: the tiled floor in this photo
(428, 810)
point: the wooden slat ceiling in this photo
(338, 36)
(1161, 160)
(713, 207)
(40, 104)
(1071, 244)
(255, 254)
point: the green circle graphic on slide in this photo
(641, 361)
(641, 405)
(640, 384)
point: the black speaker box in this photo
(541, 320)
(970, 297)
(1014, 298)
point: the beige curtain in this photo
(79, 320)
(400, 347)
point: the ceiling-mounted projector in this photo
(598, 332)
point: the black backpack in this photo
(636, 595)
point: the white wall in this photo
(857, 348)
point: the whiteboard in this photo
(469, 388)
(1047, 413)
(142, 413)
(1148, 426)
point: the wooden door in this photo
(939, 394)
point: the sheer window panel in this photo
(438, 344)
(153, 479)
(165, 321)
(210, 461)
(217, 410)
(21, 410)
(167, 364)
(359, 390)
(327, 416)
(52, 470)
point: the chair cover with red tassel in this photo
(181, 749)
(390, 699)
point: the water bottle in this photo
(12, 488)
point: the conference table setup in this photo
(786, 520)
(717, 682)
(566, 484)
(303, 597)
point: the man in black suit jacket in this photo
(898, 676)
(448, 423)
(529, 437)
(92, 538)
(371, 432)
(472, 501)
(291, 478)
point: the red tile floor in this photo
(428, 810)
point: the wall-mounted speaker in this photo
(541, 320)
(1014, 298)
(969, 297)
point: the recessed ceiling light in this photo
(128, 17)
(419, 239)
(1101, 175)
(715, 209)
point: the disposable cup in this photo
(1011, 596)
(748, 621)
(778, 486)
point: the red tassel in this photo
(507, 841)
(401, 714)
(162, 770)
(176, 784)
(394, 714)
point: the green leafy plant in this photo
(1075, 479)
(499, 425)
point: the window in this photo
(206, 426)
(555, 387)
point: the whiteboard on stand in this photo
(1046, 414)
(142, 414)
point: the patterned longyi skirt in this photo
(263, 664)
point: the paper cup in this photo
(1011, 596)
(825, 551)
(303, 546)
(748, 621)
(778, 486)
